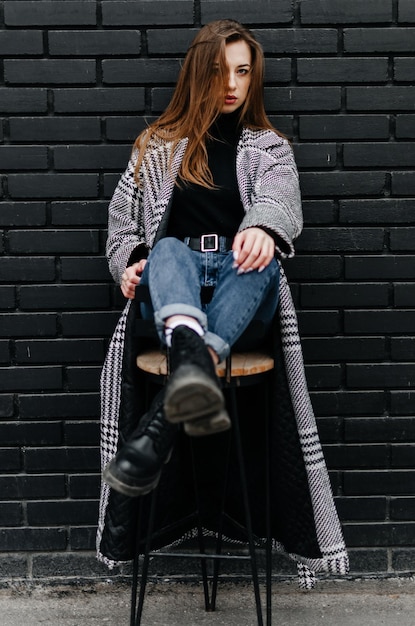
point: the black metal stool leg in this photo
(219, 539)
(252, 553)
(200, 538)
(136, 562)
(146, 559)
(268, 547)
(134, 587)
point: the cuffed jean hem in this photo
(221, 348)
(169, 310)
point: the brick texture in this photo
(78, 82)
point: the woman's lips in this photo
(230, 99)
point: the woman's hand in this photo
(131, 278)
(253, 249)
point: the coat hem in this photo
(335, 562)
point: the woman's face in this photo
(239, 64)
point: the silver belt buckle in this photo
(207, 246)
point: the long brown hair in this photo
(198, 97)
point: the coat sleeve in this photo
(125, 223)
(273, 200)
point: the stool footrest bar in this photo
(200, 555)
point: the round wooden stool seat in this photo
(243, 363)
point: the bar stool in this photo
(239, 370)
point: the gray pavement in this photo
(388, 602)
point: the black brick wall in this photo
(77, 80)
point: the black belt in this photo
(209, 243)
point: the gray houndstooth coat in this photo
(308, 529)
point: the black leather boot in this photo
(193, 394)
(136, 468)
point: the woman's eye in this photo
(243, 72)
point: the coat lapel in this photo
(159, 179)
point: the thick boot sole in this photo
(191, 394)
(210, 425)
(124, 484)
(128, 486)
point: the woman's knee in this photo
(269, 274)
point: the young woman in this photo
(210, 197)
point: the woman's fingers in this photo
(253, 250)
(130, 278)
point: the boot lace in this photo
(155, 426)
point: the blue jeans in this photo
(242, 306)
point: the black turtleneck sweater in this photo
(198, 211)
